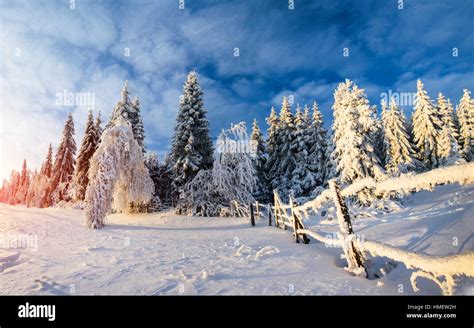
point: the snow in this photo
(162, 253)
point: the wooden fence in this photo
(441, 269)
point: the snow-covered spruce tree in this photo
(426, 128)
(230, 182)
(353, 133)
(88, 147)
(318, 142)
(24, 184)
(98, 128)
(303, 176)
(257, 143)
(282, 170)
(191, 149)
(64, 163)
(14, 187)
(465, 113)
(330, 170)
(118, 175)
(47, 166)
(123, 108)
(448, 147)
(399, 156)
(137, 123)
(272, 149)
(38, 192)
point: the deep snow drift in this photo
(162, 253)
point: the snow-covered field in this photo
(162, 253)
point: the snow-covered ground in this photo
(163, 253)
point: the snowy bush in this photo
(118, 175)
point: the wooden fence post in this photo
(269, 215)
(257, 208)
(354, 256)
(295, 228)
(297, 224)
(252, 218)
(275, 202)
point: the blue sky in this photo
(47, 48)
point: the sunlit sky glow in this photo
(47, 48)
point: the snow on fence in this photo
(440, 269)
(461, 173)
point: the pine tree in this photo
(272, 148)
(448, 150)
(282, 170)
(47, 167)
(465, 113)
(192, 148)
(123, 108)
(137, 123)
(354, 128)
(24, 184)
(330, 169)
(88, 147)
(64, 162)
(426, 128)
(14, 186)
(259, 160)
(400, 156)
(98, 128)
(304, 178)
(318, 142)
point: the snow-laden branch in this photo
(432, 267)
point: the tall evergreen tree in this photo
(259, 160)
(304, 178)
(24, 178)
(130, 111)
(192, 148)
(98, 128)
(330, 169)
(354, 126)
(272, 148)
(47, 167)
(123, 108)
(426, 128)
(137, 124)
(64, 163)
(88, 147)
(282, 170)
(24, 184)
(448, 150)
(318, 149)
(14, 187)
(400, 156)
(465, 113)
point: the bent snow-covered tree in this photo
(229, 183)
(117, 175)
